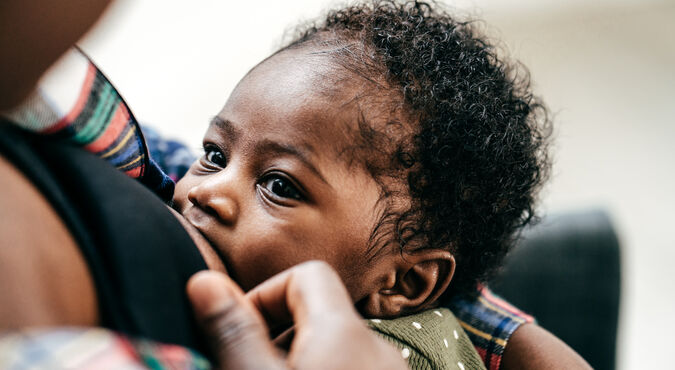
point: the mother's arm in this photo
(43, 277)
(33, 34)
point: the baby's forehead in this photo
(304, 96)
(298, 73)
(289, 96)
(286, 115)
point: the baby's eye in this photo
(281, 187)
(215, 156)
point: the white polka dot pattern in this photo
(429, 327)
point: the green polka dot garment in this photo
(432, 339)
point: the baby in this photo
(390, 141)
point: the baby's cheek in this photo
(257, 261)
(178, 191)
(261, 258)
(181, 191)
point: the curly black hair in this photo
(477, 154)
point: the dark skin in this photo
(310, 295)
(39, 284)
(31, 299)
(533, 347)
(47, 29)
(269, 196)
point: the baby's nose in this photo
(216, 200)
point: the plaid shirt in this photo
(489, 321)
(76, 102)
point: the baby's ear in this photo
(417, 281)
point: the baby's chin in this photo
(213, 261)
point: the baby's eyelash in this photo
(209, 147)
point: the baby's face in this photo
(271, 190)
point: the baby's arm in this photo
(507, 338)
(532, 347)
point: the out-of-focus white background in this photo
(606, 69)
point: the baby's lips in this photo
(208, 251)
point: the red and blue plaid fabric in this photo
(489, 321)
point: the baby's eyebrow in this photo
(269, 146)
(226, 126)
